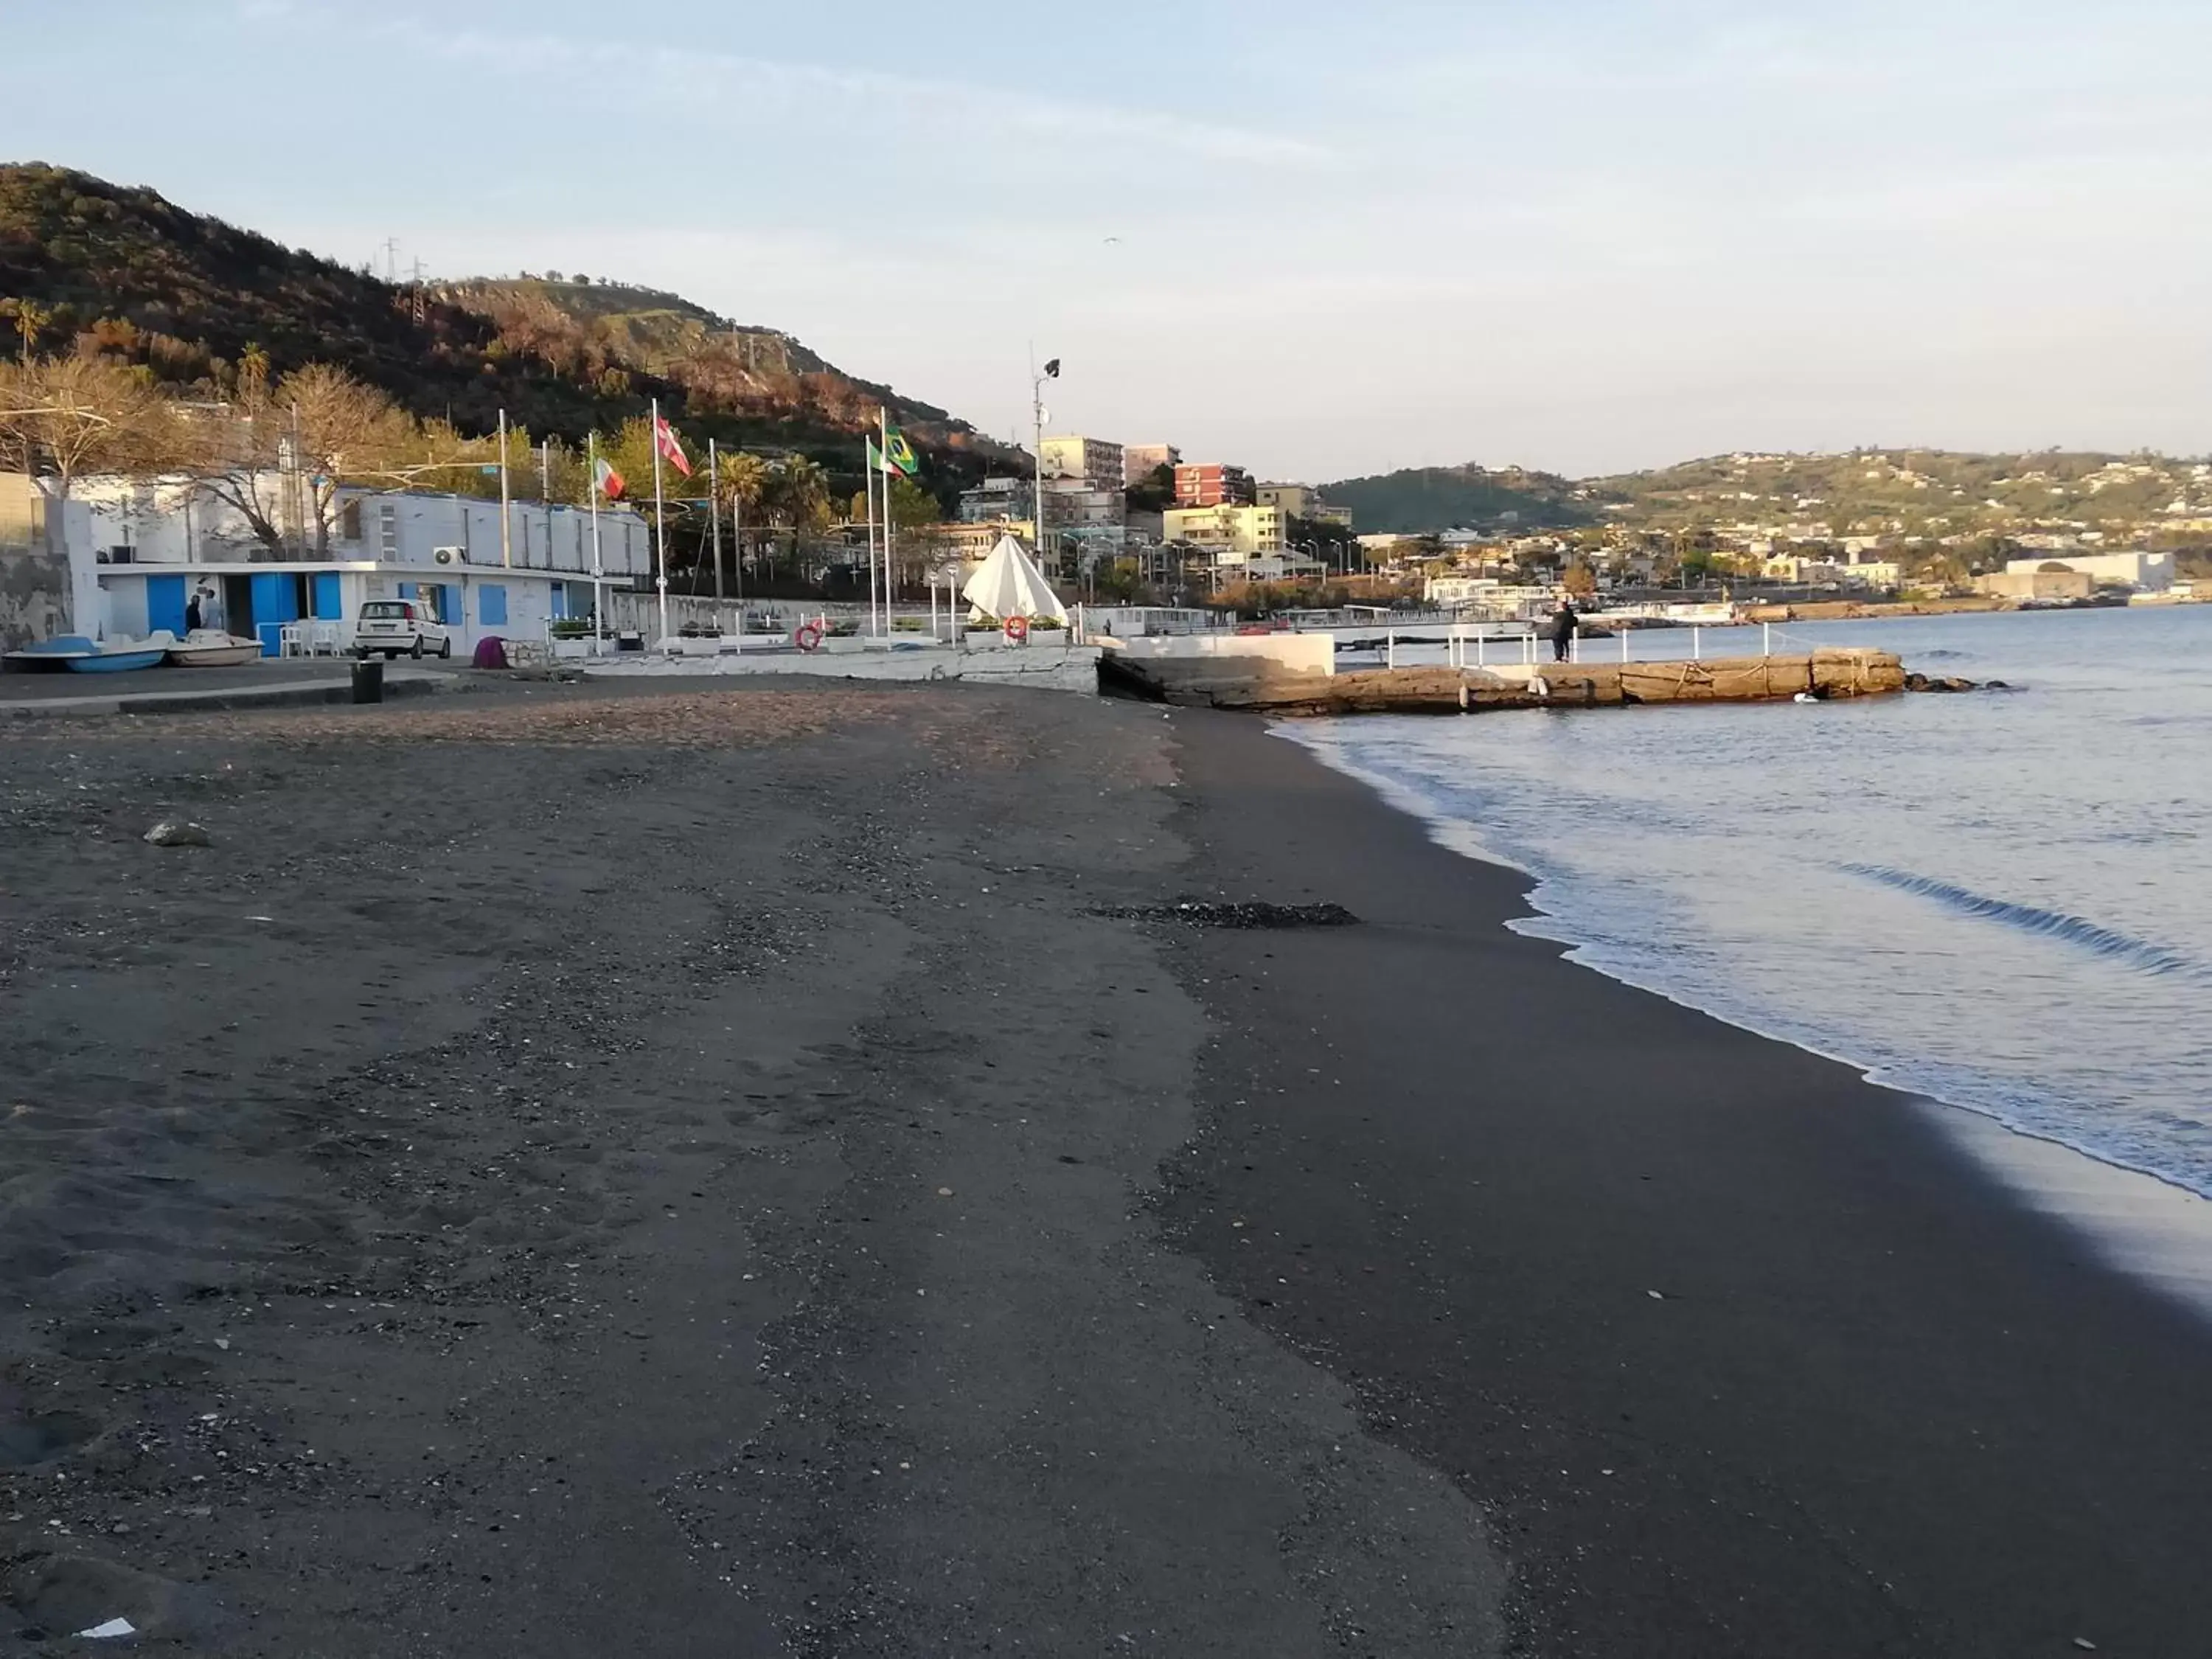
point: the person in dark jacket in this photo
(1564, 627)
(193, 622)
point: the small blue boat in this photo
(123, 656)
(117, 662)
(55, 654)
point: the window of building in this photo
(491, 605)
(350, 521)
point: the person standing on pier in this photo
(1564, 627)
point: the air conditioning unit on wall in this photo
(450, 555)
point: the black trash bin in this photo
(368, 680)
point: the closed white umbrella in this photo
(1009, 584)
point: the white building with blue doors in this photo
(140, 551)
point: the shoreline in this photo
(1741, 1353)
(1555, 927)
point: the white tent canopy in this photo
(1008, 584)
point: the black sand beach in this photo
(696, 1173)
(1736, 1352)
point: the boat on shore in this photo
(123, 656)
(209, 648)
(51, 656)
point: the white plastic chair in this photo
(325, 640)
(291, 641)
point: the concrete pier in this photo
(1268, 687)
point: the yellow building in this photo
(1231, 534)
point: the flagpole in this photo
(883, 420)
(506, 554)
(659, 530)
(870, 461)
(714, 516)
(599, 617)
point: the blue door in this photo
(327, 606)
(165, 604)
(276, 602)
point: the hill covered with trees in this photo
(1913, 493)
(1421, 500)
(121, 273)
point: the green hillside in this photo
(122, 271)
(1914, 492)
(1423, 500)
(1870, 492)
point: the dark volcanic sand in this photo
(574, 1174)
(1876, 1408)
(679, 1172)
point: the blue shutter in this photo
(326, 603)
(165, 604)
(491, 605)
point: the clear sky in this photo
(1319, 239)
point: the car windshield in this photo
(383, 608)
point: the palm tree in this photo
(800, 498)
(30, 319)
(745, 485)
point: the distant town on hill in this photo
(1888, 494)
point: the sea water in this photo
(2000, 900)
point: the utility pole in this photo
(714, 513)
(299, 489)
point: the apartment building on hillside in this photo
(1094, 461)
(1304, 501)
(1228, 533)
(1212, 484)
(1140, 461)
(997, 499)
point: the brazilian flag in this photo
(898, 454)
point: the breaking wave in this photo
(2140, 953)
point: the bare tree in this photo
(69, 416)
(280, 457)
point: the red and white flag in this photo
(664, 440)
(611, 482)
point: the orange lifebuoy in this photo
(1018, 629)
(807, 636)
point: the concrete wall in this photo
(2151, 572)
(2035, 585)
(36, 601)
(1301, 654)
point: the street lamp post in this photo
(1050, 372)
